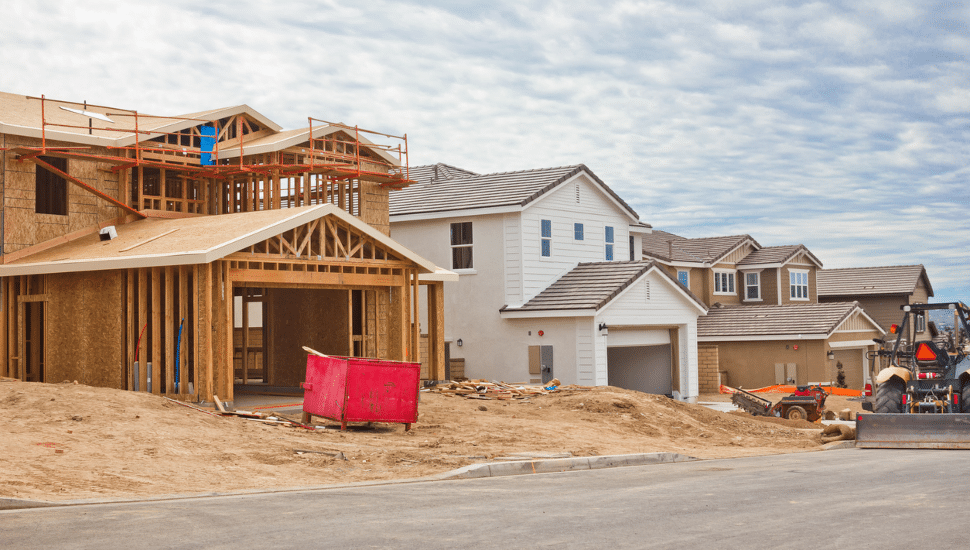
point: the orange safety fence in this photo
(780, 388)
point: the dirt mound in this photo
(66, 441)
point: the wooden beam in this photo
(131, 327)
(317, 278)
(228, 323)
(186, 328)
(170, 335)
(144, 320)
(436, 331)
(85, 186)
(157, 335)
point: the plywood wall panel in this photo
(86, 327)
(314, 318)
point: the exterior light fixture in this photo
(830, 355)
(604, 330)
(459, 342)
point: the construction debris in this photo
(484, 389)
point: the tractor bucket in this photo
(913, 431)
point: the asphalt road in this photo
(839, 499)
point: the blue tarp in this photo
(208, 144)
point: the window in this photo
(633, 256)
(461, 245)
(799, 284)
(546, 240)
(51, 189)
(752, 286)
(578, 231)
(683, 276)
(724, 282)
(609, 243)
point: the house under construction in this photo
(208, 249)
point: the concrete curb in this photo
(836, 445)
(468, 472)
(545, 466)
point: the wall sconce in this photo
(604, 330)
(459, 342)
(830, 355)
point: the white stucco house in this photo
(551, 284)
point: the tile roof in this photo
(592, 286)
(466, 191)
(431, 172)
(861, 281)
(772, 320)
(776, 255)
(669, 247)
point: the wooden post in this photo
(144, 319)
(205, 366)
(182, 357)
(229, 324)
(131, 327)
(157, 320)
(245, 335)
(436, 330)
(170, 335)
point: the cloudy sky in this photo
(841, 126)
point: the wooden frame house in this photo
(210, 246)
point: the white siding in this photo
(594, 210)
(587, 351)
(513, 260)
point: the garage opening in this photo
(640, 368)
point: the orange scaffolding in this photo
(342, 165)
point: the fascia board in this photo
(444, 214)
(765, 337)
(541, 313)
(851, 344)
(440, 275)
(596, 186)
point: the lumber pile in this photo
(490, 390)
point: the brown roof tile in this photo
(866, 281)
(772, 320)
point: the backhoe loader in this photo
(922, 398)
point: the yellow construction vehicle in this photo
(923, 398)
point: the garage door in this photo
(640, 368)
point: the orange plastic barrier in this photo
(845, 392)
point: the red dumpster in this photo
(353, 389)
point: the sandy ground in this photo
(67, 441)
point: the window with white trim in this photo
(752, 286)
(546, 237)
(609, 243)
(683, 276)
(798, 282)
(724, 282)
(461, 245)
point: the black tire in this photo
(889, 396)
(796, 413)
(965, 398)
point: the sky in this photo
(841, 126)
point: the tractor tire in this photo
(796, 413)
(889, 396)
(965, 398)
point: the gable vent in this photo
(577, 193)
(646, 288)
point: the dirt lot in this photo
(67, 441)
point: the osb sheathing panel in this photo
(23, 227)
(85, 328)
(319, 319)
(374, 206)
